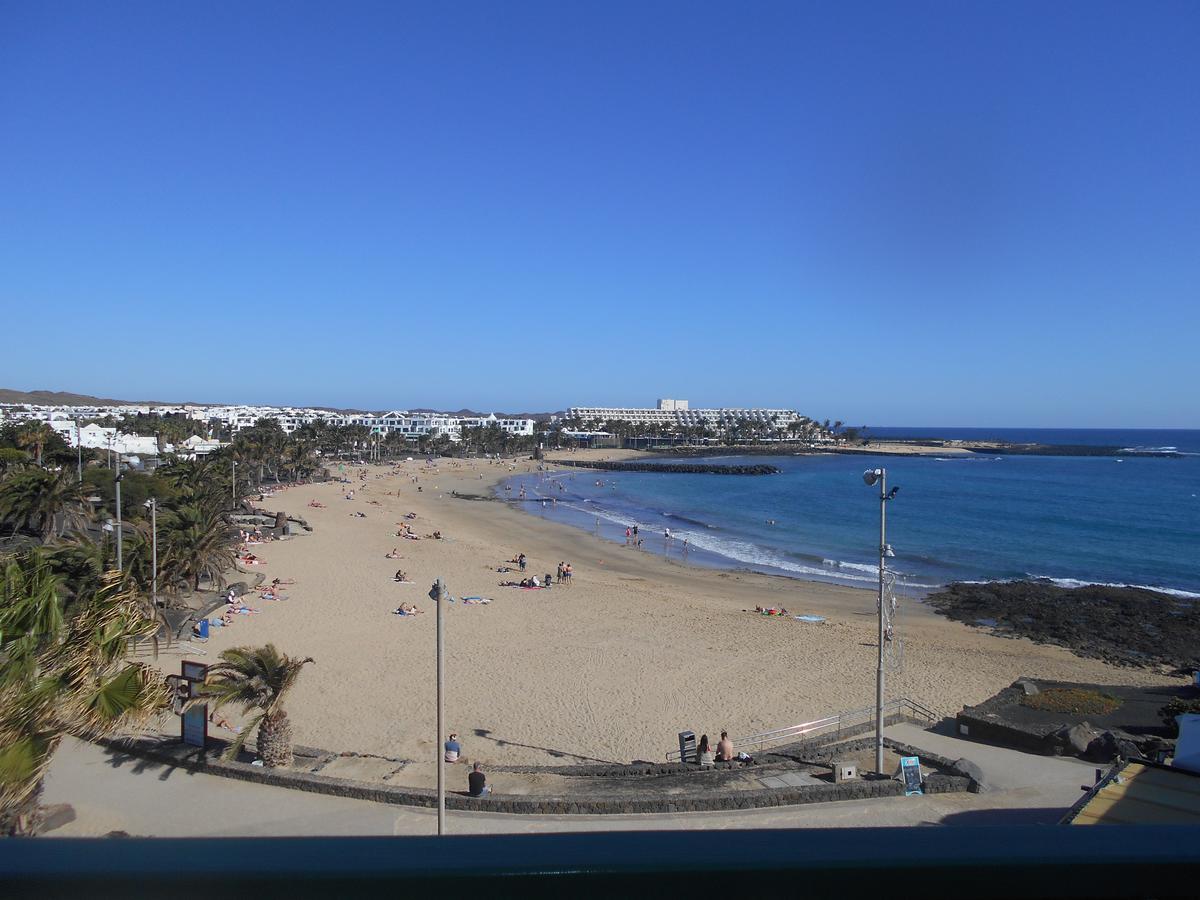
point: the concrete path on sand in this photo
(1056, 781)
(111, 791)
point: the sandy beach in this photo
(609, 668)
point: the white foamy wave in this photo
(1078, 583)
(598, 513)
(857, 567)
(752, 554)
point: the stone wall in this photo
(192, 759)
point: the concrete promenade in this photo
(115, 792)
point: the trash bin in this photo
(687, 747)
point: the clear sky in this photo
(981, 213)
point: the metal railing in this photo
(835, 725)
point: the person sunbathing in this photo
(407, 609)
(221, 722)
(279, 581)
(437, 535)
(401, 577)
(411, 515)
(395, 554)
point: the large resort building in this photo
(677, 414)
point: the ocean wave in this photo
(690, 521)
(754, 555)
(1078, 583)
(857, 567)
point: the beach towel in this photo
(816, 620)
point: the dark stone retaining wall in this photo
(192, 759)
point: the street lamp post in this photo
(233, 483)
(117, 482)
(152, 504)
(78, 452)
(438, 594)
(871, 476)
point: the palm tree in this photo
(34, 436)
(196, 541)
(63, 674)
(257, 678)
(11, 458)
(42, 501)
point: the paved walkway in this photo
(114, 792)
(1056, 779)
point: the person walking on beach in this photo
(628, 533)
(521, 562)
(477, 785)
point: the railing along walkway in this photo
(834, 725)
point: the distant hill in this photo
(65, 398)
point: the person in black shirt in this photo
(477, 785)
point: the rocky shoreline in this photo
(1124, 626)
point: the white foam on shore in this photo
(752, 554)
(1078, 583)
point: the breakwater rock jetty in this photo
(674, 468)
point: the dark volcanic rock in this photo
(1121, 625)
(1110, 746)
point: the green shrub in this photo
(1079, 701)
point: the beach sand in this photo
(610, 668)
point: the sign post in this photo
(193, 722)
(910, 772)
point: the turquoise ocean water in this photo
(1073, 519)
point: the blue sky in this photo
(912, 213)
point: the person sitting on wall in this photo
(477, 785)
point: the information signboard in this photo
(910, 771)
(194, 726)
(193, 723)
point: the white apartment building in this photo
(238, 418)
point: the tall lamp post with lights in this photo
(152, 505)
(117, 483)
(871, 477)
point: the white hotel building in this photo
(677, 414)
